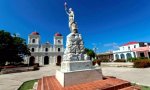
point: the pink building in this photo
(132, 50)
(142, 51)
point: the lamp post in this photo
(95, 50)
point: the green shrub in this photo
(140, 58)
(141, 63)
(105, 60)
(132, 59)
(120, 60)
(143, 58)
(96, 61)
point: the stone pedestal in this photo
(78, 77)
(77, 72)
(76, 68)
(68, 66)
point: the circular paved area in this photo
(13, 81)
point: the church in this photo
(46, 53)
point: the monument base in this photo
(78, 77)
(68, 66)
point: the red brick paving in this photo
(51, 83)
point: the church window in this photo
(33, 40)
(59, 41)
(32, 49)
(58, 49)
(46, 49)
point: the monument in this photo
(76, 67)
(77, 72)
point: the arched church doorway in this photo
(58, 61)
(46, 60)
(31, 61)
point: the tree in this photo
(90, 53)
(12, 48)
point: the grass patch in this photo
(142, 87)
(27, 85)
(145, 88)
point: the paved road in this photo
(134, 75)
(13, 81)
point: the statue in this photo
(76, 67)
(72, 23)
(74, 46)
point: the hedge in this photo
(120, 60)
(141, 63)
(96, 61)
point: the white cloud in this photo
(15, 35)
(113, 45)
(96, 44)
(18, 34)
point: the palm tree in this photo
(90, 53)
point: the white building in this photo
(132, 50)
(47, 53)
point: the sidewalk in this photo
(134, 75)
(15, 80)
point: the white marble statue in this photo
(72, 23)
(74, 44)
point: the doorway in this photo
(58, 61)
(46, 60)
(31, 61)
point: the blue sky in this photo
(105, 24)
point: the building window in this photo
(32, 49)
(46, 49)
(134, 46)
(33, 40)
(59, 42)
(129, 48)
(58, 49)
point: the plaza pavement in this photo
(15, 80)
(134, 75)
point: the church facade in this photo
(46, 53)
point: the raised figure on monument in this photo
(72, 23)
(74, 45)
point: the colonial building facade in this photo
(47, 53)
(105, 56)
(132, 50)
